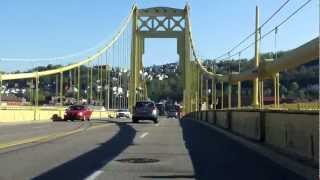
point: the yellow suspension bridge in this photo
(119, 65)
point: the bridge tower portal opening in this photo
(159, 22)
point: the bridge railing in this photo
(262, 71)
(304, 106)
(291, 132)
(18, 114)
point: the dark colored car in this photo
(78, 112)
(172, 113)
(145, 110)
(161, 108)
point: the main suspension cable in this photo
(251, 34)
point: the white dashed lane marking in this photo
(144, 135)
(94, 175)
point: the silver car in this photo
(145, 110)
(123, 113)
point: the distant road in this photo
(121, 150)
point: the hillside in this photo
(164, 81)
(300, 84)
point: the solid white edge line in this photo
(144, 134)
(94, 175)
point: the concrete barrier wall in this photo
(102, 114)
(211, 117)
(294, 132)
(222, 119)
(204, 115)
(201, 115)
(30, 114)
(17, 115)
(246, 124)
(47, 114)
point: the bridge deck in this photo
(185, 150)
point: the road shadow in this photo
(170, 177)
(84, 165)
(214, 156)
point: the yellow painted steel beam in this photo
(214, 93)
(91, 84)
(229, 95)
(206, 93)
(78, 84)
(222, 105)
(61, 89)
(239, 94)
(0, 89)
(133, 62)
(292, 59)
(255, 86)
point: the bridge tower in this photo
(160, 22)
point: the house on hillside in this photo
(13, 100)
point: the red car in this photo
(78, 112)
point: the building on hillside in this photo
(12, 100)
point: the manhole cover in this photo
(138, 160)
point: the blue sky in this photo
(37, 28)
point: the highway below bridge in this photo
(119, 149)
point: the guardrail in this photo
(291, 132)
(42, 113)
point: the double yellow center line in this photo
(46, 138)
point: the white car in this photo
(123, 113)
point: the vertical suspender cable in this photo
(128, 67)
(239, 83)
(112, 77)
(106, 103)
(119, 71)
(79, 87)
(277, 76)
(88, 82)
(101, 80)
(91, 79)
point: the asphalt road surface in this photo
(119, 149)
